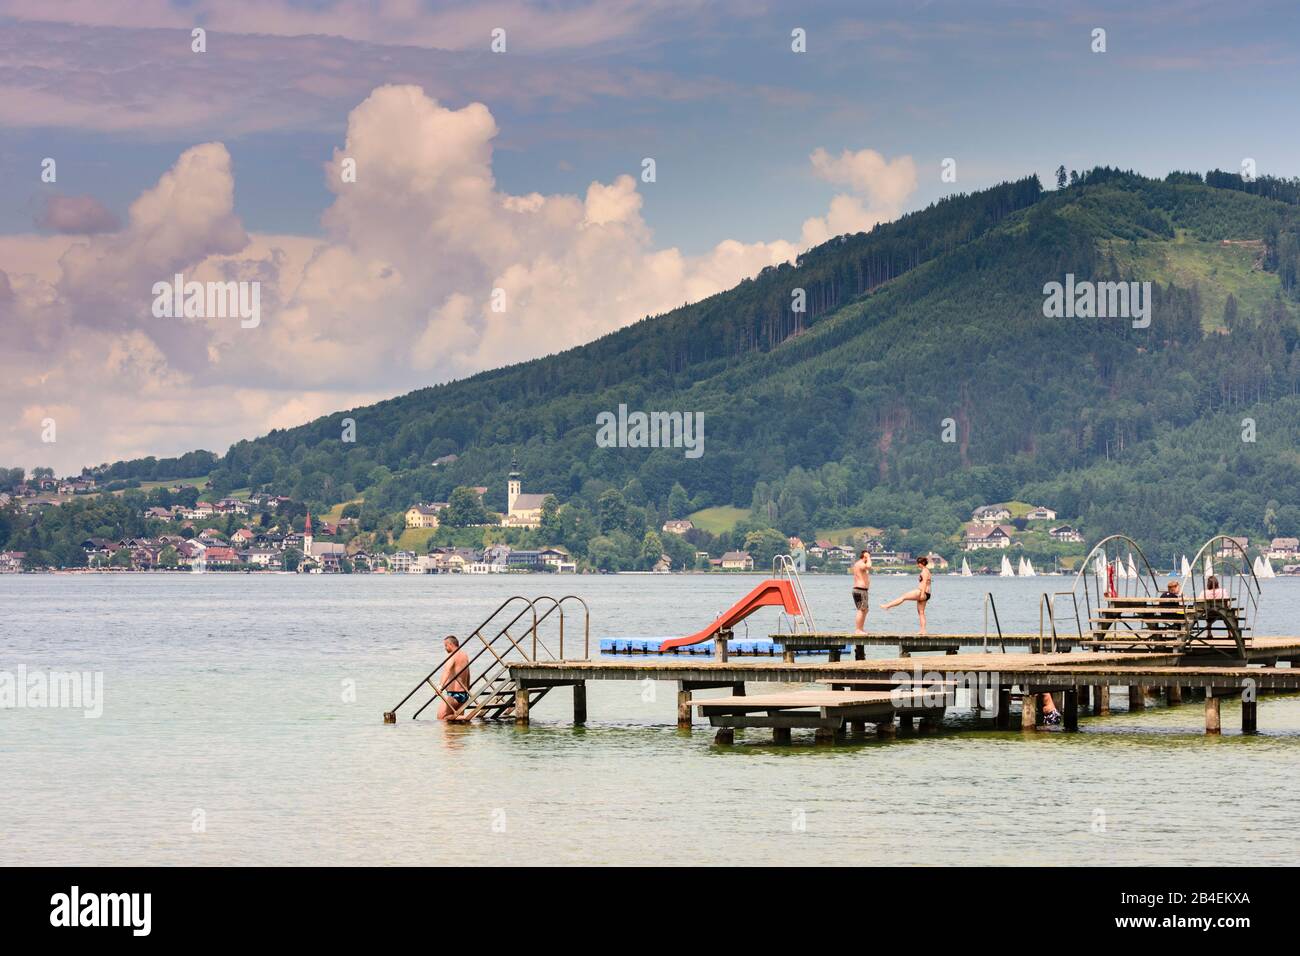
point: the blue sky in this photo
(730, 114)
(518, 172)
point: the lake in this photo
(242, 724)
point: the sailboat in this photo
(1029, 571)
(1120, 571)
(1187, 568)
(1006, 571)
(965, 568)
(1267, 566)
(1132, 568)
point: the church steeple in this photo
(307, 536)
(514, 482)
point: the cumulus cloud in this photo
(427, 271)
(879, 189)
(76, 215)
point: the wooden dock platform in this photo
(834, 642)
(826, 711)
(1081, 677)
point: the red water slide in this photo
(769, 593)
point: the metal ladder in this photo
(783, 567)
(492, 694)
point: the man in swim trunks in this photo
(861, 586)
(455, 678)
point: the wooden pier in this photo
(1083, 679)
(833, 643)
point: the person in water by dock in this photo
(920, 594)
(455, 678)
(861, 589)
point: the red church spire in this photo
(307, 528)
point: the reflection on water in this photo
(227, 694)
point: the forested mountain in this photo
(927, 328)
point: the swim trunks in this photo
(860, 598)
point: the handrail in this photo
(783, 566)
(1051, 618)
(477, 631)
(988, 601)
(1078, 621)
(487, 646)
(586, 625)
(492, 672)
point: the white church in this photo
(522, 510)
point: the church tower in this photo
(307, 536)
(513, 484)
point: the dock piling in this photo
(1249, 717)
(1002, 719)
(683, 706)
(1103, 701)
(1174, 694)
(1071, 709)
(780, 735)
(580, 703)
(885, 728)
(1028, 711)
(521, 706)
(1212, 714)
(1137, 698)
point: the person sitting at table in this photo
(1212, 590)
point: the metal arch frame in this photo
(1245, 580)
(1084, 569)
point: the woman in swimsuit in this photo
(920, 594)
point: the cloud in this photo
(427, 271)
(77, 215)
(102, 65)
(879, 189)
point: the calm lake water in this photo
(226, 700)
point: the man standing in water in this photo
(455, 678)
(861, 587)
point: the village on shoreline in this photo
(265, 533)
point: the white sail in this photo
(1209, 567)
(1006, 571)
(1254, 567)
(1132, 568)
(965, 568)
(1187, 568)
(1120, 571)
(1101, 566)
(1029, 569)
(1268, 568)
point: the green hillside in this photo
(836, 417)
